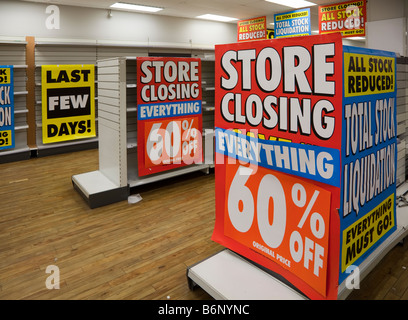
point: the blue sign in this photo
(312, 162)
(6, 107)
(368, 155)
(292, 24)
(168, 109)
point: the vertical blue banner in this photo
(369, 161)
(293, 23)
(6, 107)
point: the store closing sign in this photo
(348, 18)
(169, 111)
(68, 102)
(278, 136)
(252, 29)
(6, 107)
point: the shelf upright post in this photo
(30, 85)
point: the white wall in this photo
(28, 19)
(387, 25)
(385, 9)
(387, 35)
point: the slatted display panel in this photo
(131, 113)
(402, 118)
(58, 54)
(14, 54)
(129, 55)
(112, 119)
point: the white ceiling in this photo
(240, 9)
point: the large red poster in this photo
(169, 113)
(278, 140)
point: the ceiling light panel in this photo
(293, 3)
(135, 7)
(216, 17)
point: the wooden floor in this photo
(120, 251)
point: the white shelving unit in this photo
(109, 183)
(117, 127)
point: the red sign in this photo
(279, 116)
(294, 237)
(349, 18)
(169, 113)
(251, 29)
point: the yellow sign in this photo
(349, 18)
(292, 15)
(368, 74)
(68, 102)
(359, 237)
(251, 29)
(6, 138)
(5, 75)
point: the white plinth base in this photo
(98, 190)
(227, 276)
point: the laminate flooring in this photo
(120, 251)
